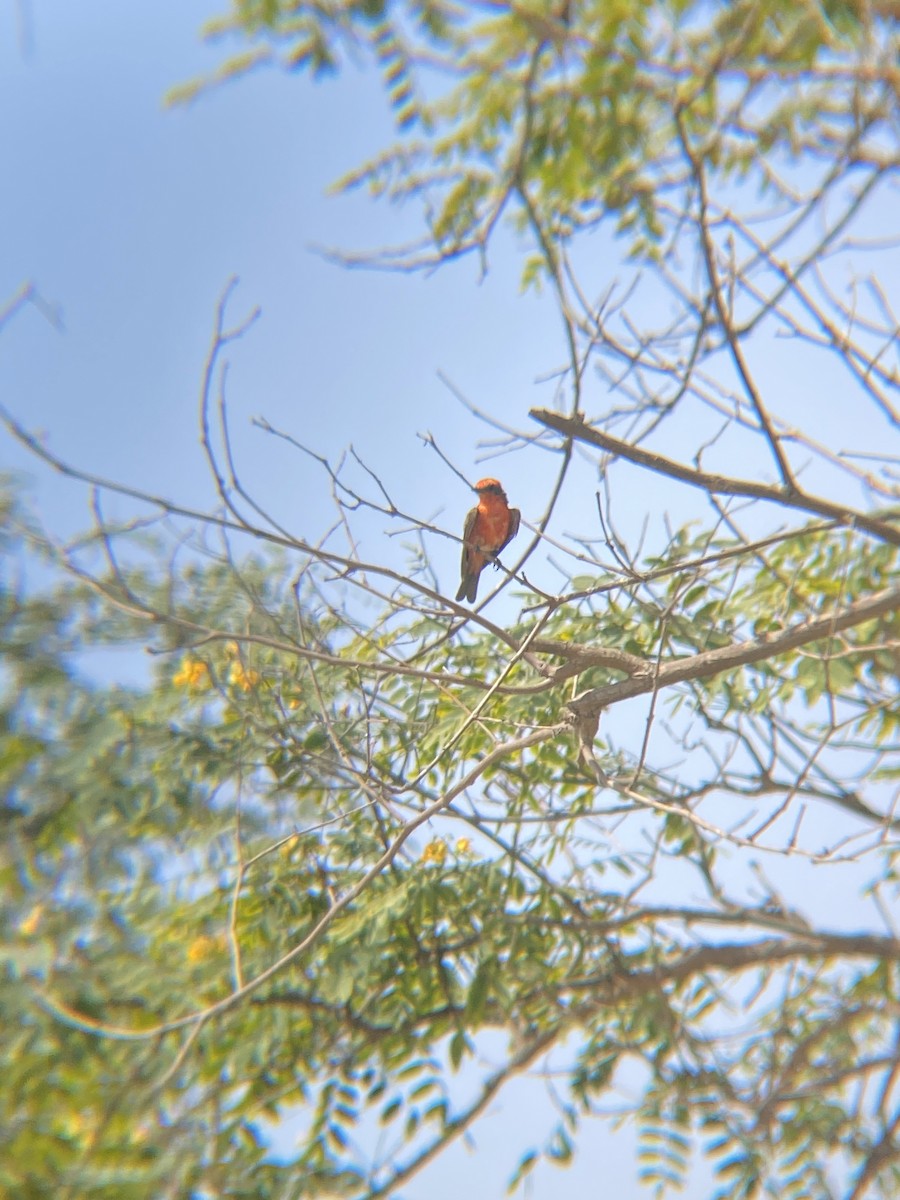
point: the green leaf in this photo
(459, 1047)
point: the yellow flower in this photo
(202, 947)
(435, 851)
(464, 845)
(290, 845)
(232, 649)
(293, 705)
(243, 677)
(79, 1127)
(193, 675)
(28, 925)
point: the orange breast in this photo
(492, 522)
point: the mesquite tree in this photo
(349, 828)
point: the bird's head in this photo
(489, 487)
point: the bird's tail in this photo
(468, 589)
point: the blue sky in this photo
(131, 218)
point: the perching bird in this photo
(489, 527)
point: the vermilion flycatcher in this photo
(489, 527)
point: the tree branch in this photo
(739, 654)
(717, 485)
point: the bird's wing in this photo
(467, 533)
(512, 528)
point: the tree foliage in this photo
(349, 830)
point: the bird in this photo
(490, 526)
